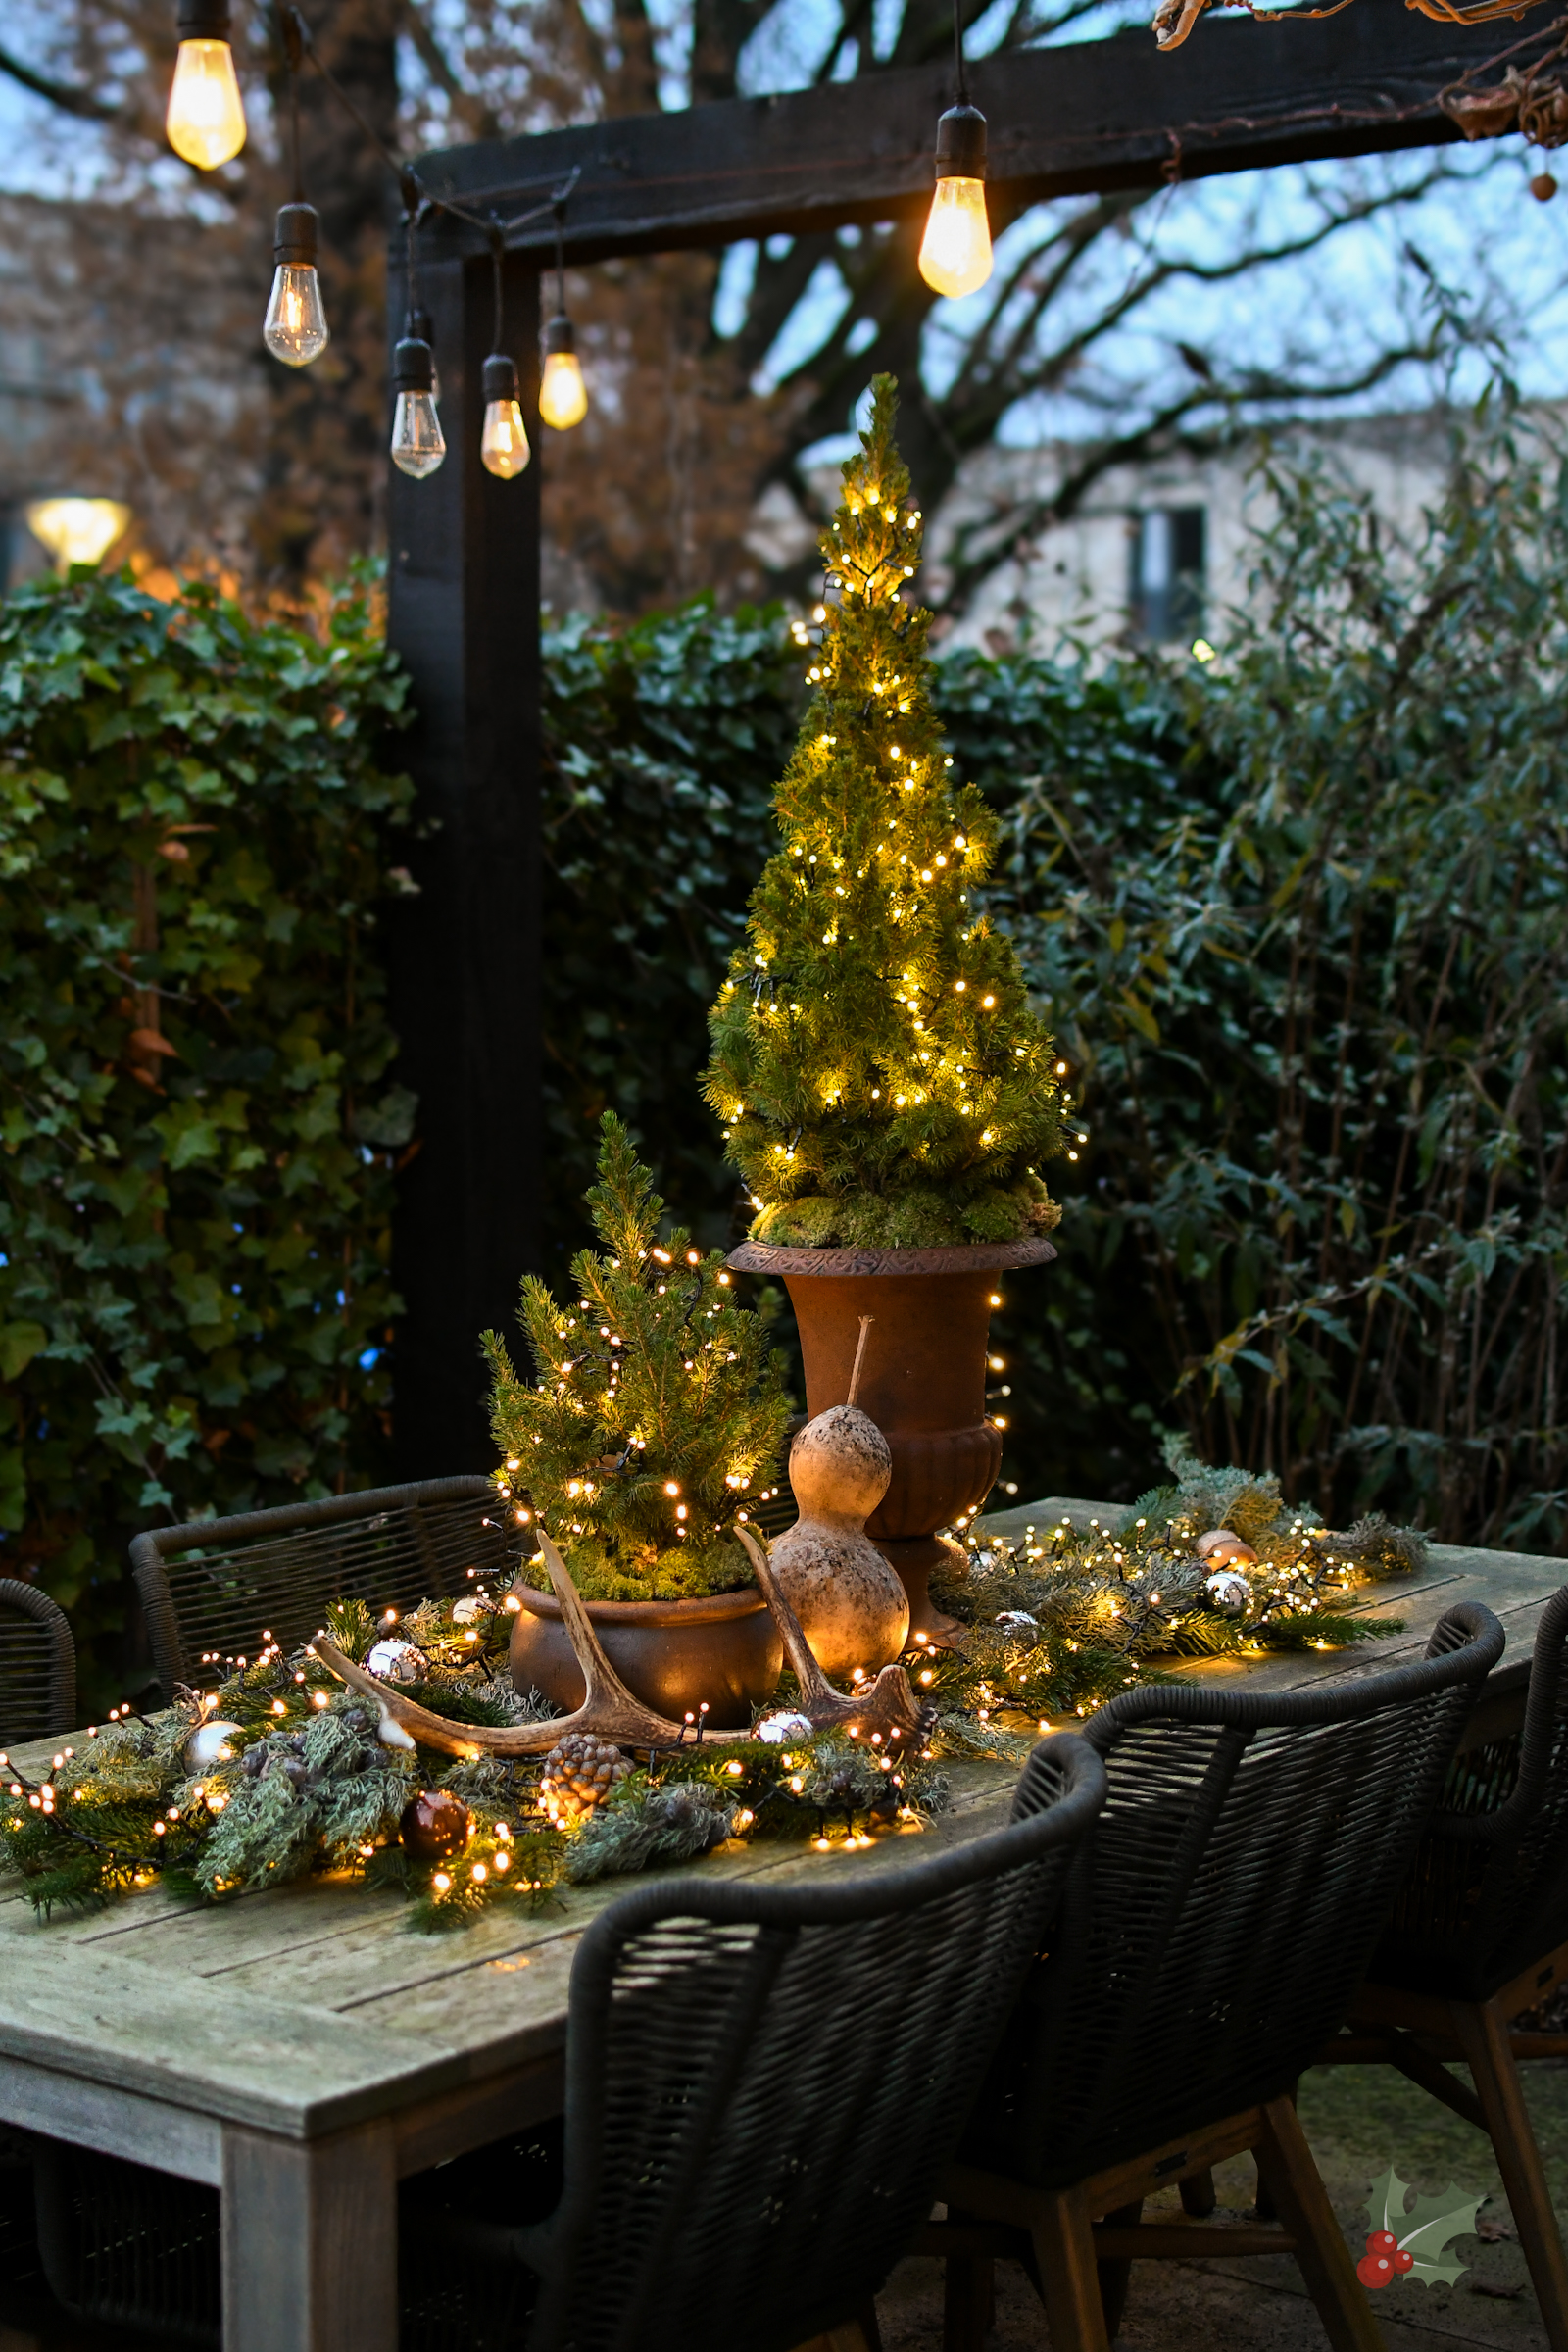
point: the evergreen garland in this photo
(307, 1784)
(1062, 1619)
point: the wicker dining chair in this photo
(211, 1589)
(1213, 1929)
(762, 2083)
(38, 1666)
(1479, 1932)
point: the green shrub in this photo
(196, 1132)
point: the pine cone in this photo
(579, 1773)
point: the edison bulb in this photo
(206, 118)
(504, 442)
(419, 444)
(956, 250)
(563, 394)
(295, 331)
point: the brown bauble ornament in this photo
(1543, 187)
(1220, 1546)
(853, 1607)
(435, 1825)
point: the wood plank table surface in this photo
(302, 2050)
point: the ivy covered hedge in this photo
(196, 1133)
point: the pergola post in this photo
(464, 616)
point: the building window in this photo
(1166, 592)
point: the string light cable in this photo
(956, 250)
(295, 328)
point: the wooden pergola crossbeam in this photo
(463, 568)
(1086, 115)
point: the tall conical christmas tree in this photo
(881, 1079)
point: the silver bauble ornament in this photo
(779, 1729)
(1018, 1621)
(396, 1661)
(1228, 1591)
(207, 1744)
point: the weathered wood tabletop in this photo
(302, 2050)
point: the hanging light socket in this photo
(504, 442)
(206, 118)
(955, 251)
(419, 444)
(563, 394)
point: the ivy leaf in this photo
(20, 1342)
(1426, 2230)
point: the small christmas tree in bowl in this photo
(885, 1088)
(654, 1420)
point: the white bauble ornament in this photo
(853, 1607)
(780, 1730)
(1227, 1591)
(396, 1661)
(207, 1744)
(1018, 1621)
(464, 1612)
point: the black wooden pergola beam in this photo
(463, 548)
(1082, 117)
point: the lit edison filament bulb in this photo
(504, 440)
(206, 118)
(419, 444)
(295, 329)
(563, 394)
(955, 251)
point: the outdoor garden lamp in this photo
(295, 328)
(419, 444)
(206, 118)
(503, 439)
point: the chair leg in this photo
(1285, 2165)
(1198, 2199)
(968, 2302)
(1115, 2277)
(1484, 2039)
(1064, 2251)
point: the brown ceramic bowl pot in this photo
(671, 1654)
(923, 1381)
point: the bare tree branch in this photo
(70, 100)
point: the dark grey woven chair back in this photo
(1223, 1910)
(1486, 1894)
(763, 2081)
(212, 1589)
(38, 1666)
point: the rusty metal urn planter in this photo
(923, 1380)
(675, 1655)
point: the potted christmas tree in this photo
(885, 1090)
(655, 1417)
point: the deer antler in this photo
(888, 1705)
(608, 1708)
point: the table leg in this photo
(310, 2242)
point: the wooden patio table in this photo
(302, 2051)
